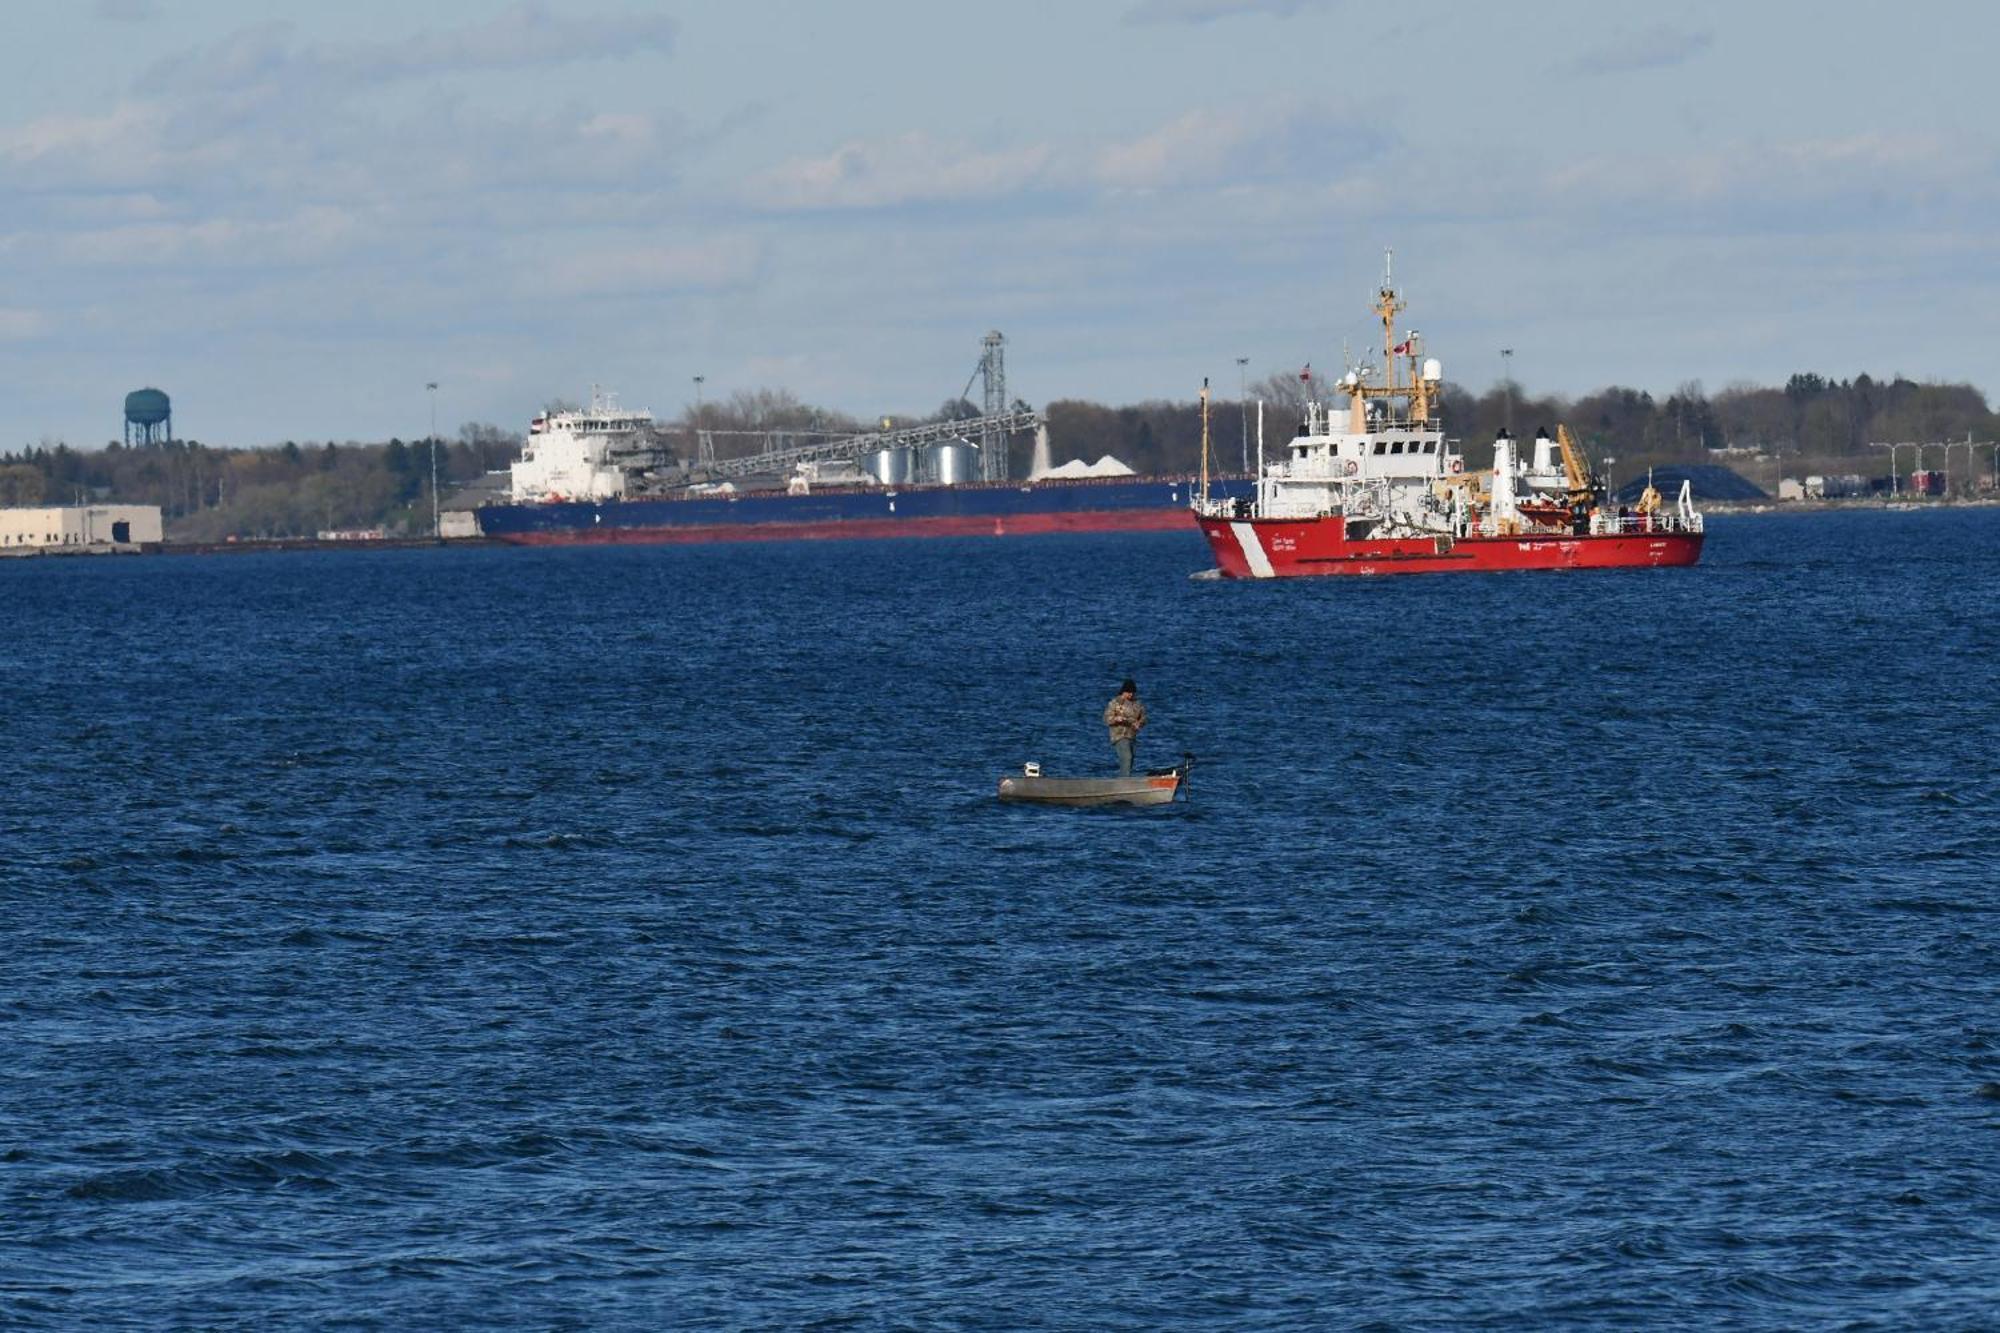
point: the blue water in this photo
(603, 938)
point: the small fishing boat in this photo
(1158, 786)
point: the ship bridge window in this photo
(1430, 446)
(1396, 448)
(1381, 447)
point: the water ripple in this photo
(658, 955)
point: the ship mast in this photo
(1204, 439)
(1388, 307)
(1418, 391)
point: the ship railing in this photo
(1639, 525)
(1224, 507)
(1658, 524)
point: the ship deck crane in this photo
(1576, 474)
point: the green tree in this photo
(22, 484)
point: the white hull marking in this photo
(1253, 553)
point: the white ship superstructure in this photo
(584, 455)
(1367, 462)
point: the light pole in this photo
(430, 387)
(1895, 476)
(1243, 406)
(1965, 444)
(700, 454)
(1507, 384)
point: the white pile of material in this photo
(1106, 466)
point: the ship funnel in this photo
(1545, 450)
(1503, 478)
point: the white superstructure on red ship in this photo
(1376, 487)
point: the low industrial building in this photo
(1841, 486)
(79, 528)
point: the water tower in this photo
(149, 417)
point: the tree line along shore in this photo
(299, 488)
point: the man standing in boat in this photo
(1124, 715)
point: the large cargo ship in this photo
(602, 475)
(1378, 488)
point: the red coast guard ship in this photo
(1377, 488)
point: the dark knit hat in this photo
(1128, 687)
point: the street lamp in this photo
(1895, 486)
(1243, 406)
(431, 388)
(699, 451)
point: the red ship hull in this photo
(1292, 548)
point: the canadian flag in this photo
(1307, 373)
(1401, 349)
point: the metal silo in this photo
(890, 466)
(954, 463)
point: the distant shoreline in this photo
(1897, 504)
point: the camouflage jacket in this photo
(1124, 717)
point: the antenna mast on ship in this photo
(1204, 439)
(1388, 307)
(1420, 389)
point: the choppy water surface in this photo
(628, 937)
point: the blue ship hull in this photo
(1115, 504)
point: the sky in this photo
(293, 217)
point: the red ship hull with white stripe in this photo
(1292, 548)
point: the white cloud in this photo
(1659, 47)
(653, 270)
(128, 11)
(107, 137)
(1221, 148)
(309, 235)
(527, 36)
(1824, 184)
(262, 112)
(909, 168)
(1208, 11)
(1207, 148)
(18, 325)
